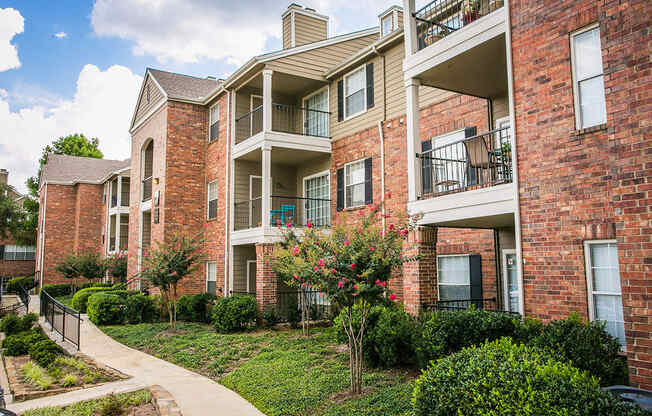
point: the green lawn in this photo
(66, 300)
(280, 372)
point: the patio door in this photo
(317, 193)
(251, 276)
(255, 200)
(511, 284)
(449, 162)
(315, 119)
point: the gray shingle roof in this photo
(64, 169)
(184, 87)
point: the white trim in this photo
(574, 79)
(504, 253)
(328, 102)
(210, 120)
(345, 184)
(362, 68)
(208, 263)
(364, 53)
(293, 36)
(249, 277)
(208, 199)
(142, 178)
(438, 274)
(251, 198)
(148, 75)
(326, 173)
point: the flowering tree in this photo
(68, 269)
(168, 263)
(90, 263)
(351, 264)
(116, 265)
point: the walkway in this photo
(196, 395)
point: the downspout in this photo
(382, 138)
(227, 203)
(42, 237)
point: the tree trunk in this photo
(174, 307)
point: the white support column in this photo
(413, 139)
(267, 100)
(410, 28)
(117, 231)
(232, 119)
(119, 192)
(267, 185)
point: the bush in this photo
(234, 313)
(94, 284)
(106, 309)
(270, 317)
(18, 344)
(141, 308)
(13, 324)
(36, 376)
(80, 300)
(195, 308)
(58, 290)
(502, 378)
(26, 282)
(444, 332)
(44, 352)
(388, 339)
(587, 346)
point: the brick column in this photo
(420, 276)
(266, 280)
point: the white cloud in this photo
(60, 35)
(11, 24)
(102, 107)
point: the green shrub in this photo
(195, 308)
(141, 308)
(80, 300)
(234, 313)
(111, 406)
(442, 333)
(58, 290)
(44, 352)
(26, 282)
(587, 346)
(18, 344)
(502, 378)
(106, 309)
(270, 317)
(388, 337)
(69, 380)
(12, 324)
(94, 284)
(119, 286)
(36, 376)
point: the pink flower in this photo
(340, 284)
(315, 268)
(355, 294)
(352, 266)
(318, 243)
(371, 249)
(404, 231)
(205, 225)
(360, 214)
(355, 287)
(322, 262)
(383, 284)
(295, 250)
(296, 277)
(333, 271)
(392, 297)
(391, 227)
(309, 224)
(278, 222)
(266, 263)
(378, 282)
(388, 194)
(174, 273)
(347, 242)
(359, 230)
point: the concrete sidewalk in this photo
(195, 394)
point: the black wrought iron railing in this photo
(487, 304)
(62, 319)
(249, 124)
(440, 18)
(242, 293)
(284, 211)
(479, 161)
(289, 305)
(147, 189)
(247, 214)
(300, 120)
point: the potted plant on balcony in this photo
(470, 11)
(506, 150)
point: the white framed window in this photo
(453, 277)
(588, 78)
(354, 180)
(12, 252)
(316, 116)
(603, 284)
(387, 24)
(211, 277)
(316, 190)
(355, 93)
(212, 200)
(214, 115)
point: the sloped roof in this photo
(184, 87)
(69, 170)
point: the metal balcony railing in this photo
(439, 18)
(147, 189)
(249, 124)
(475, 162)
(284, 211)
(487, 304)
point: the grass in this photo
(93, 407)
(66, 300)
(37, 376)
(64, 372)
(279, 372)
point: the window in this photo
(212, 200)
(317, 191)
(454, 277)
(603, 283)
(355, 95)
(211, 277)
(588, 79)
(147, 170)
(19, 252)
(387, 24)
(215, 123)
(354, 180)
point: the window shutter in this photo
(426, 167)
(475, 268)
(340, 100)
(370, 85)
(472, 173)
(368, 182)
(2, 252)
(340, 189)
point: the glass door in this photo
(316, 114)
(449, 162)
(512, 287)
(317, 192)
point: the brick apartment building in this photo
(519, 131)
(15, 260)
(83, 205)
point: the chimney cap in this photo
(210, 77)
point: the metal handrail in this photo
(48, 305)
(249, 113)
(466, 139)
(300, 108)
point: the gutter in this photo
(227, 203)
(382, 136)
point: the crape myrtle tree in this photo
(165, 265)
(351, 264)
(116, 265)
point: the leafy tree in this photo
(116, 265)
(165, 265)
(91, 264)
(10, 213)
(25, 230)
(351, 264)
(73, 145)
(69, 268)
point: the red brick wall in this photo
(13, 268)
(88, 216)
(577, 186)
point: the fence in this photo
(288, 305)
(62, 319)
(489, 304)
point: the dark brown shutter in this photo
(340, 100)
(340, 189)
(370, 85)
(475, 268)
(2, 252)
(426, 167)
(368, 182)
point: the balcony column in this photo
(267, 100)
(413, 137)
(117, 229)
(410, 24)
(119, 194)
(267, 185)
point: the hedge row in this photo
(65, 289)
(33, 342)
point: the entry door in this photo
(512, 287)
(317, 193)
(255, 200)
(449, 162)
(316, 121)
(251, 276)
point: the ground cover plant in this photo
(103, 406)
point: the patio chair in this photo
(479, 157)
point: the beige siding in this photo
(314, 63)
(243, 170)
(240, 256)
(500, 107)
(155, 96)
(400, 19)
(287, 31)
(313, 167)
(309, 29)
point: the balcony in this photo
(285, 211)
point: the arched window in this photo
(147, 170)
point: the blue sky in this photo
(76, 66)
